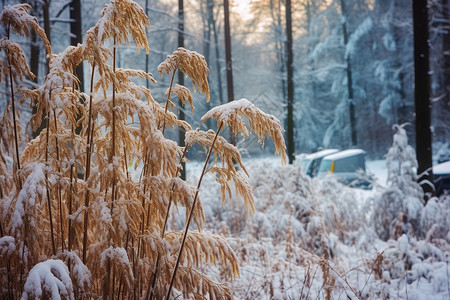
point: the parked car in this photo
(442, 178)
(349, 166)
(311, 162)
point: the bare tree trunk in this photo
(290, 83)
(349, 78)
(422, 97)
(276, 17)
(445, 112)
(47, 30)
(207, 15)
(76, 35)
(206, 31)
(216, 48)
(35, 51)
(181, 132)
(147, 82)
(228, 60)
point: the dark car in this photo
(442, 178)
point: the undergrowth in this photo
(75, 222)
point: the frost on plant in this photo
(401, 203)
(48, 279)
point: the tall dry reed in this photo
(106, 234)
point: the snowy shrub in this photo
(77, 221)
(435, 221)
(316, 212)
(398, 208)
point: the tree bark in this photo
(76, 35)
(445, 111)
(422, 97)
(290, 83)
(47, 30)
(228, 60)
(275, 13)
(207, 16)
(349, 78)
(216, 48)
(181, 132)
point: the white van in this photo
(311, 162)
(348, 165)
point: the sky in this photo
(242, 7)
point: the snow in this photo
(364, 28)
(228, 110)
(442, 169)
(7, 246)
(321, 153)
(79, 270)
(378, 169)
(50, 277)
(32, 192)
(345, 153)
(329, 219)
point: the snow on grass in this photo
(334, 250)
(49, 279)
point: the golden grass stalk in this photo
(15, 57)
(190, 63)
(262, 124)
(87, 170)
(49, 205)
(188, 222)
(183, 93)
(18, 19)
(123, 222)
(61, 217)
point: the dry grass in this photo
(106, 234)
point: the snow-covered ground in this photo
(317, 239)
(378, 169)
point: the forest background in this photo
(378, 51)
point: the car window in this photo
(350, 164)
(325, 166)
(304, 165)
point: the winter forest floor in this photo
(317, 239)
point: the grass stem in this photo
(186, 229)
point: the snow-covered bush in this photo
(435, 220)
(310, 213)
(74, 222)
(398, 208)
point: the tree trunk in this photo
(47, 30)
(76, 35)
(181, 132)
(444, 103)
(422, 97)
(275, 13)
(349, 78)
(229, 65)
(147, 81)
(290, 83)
(216, 48)
(35, 51)
(207, 24)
